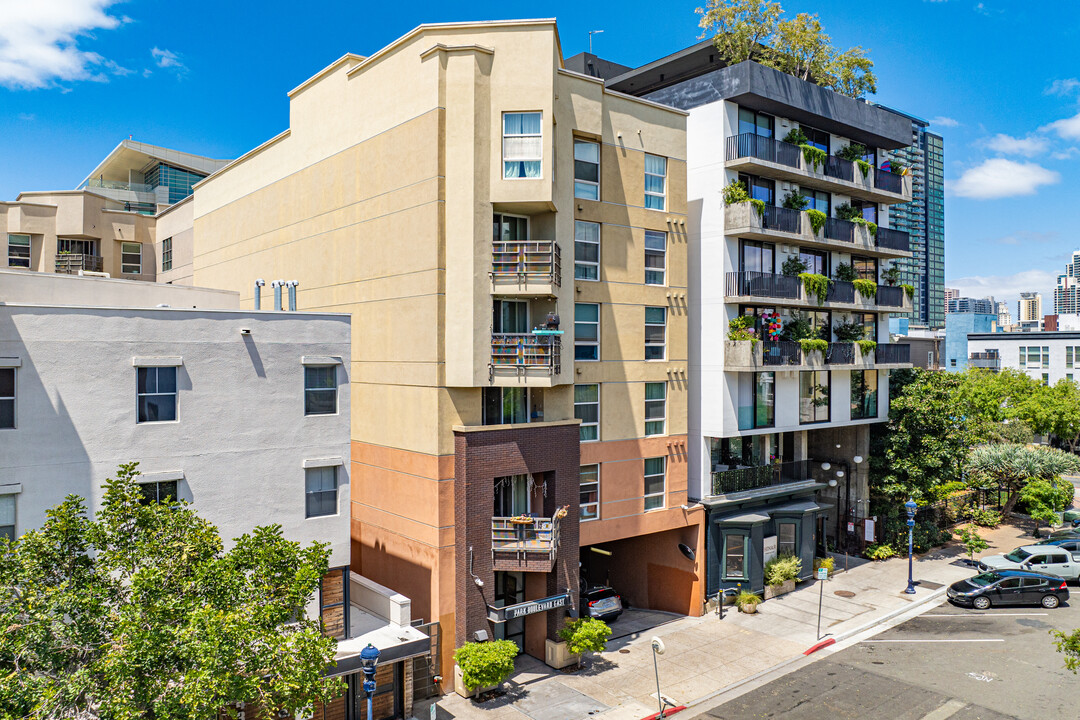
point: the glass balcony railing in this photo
(118, 185)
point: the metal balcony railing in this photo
(890, 296)
(763, 476)
(842, 230)
(781, 352)
(840, 354)
(763, 148)
(761, 284)
(892, 353)
(892, 239)
(888, 181)
(839, 168)
(526, 352)
(529, 261)
(524, 538)
(841, 292)
(72, 263)
(782, 219)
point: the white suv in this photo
(1036, 558)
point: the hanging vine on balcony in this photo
(809, 345)
(909, 290)
(864, 167)
(816, 285)
(817, 220)
(866, 347)
(866, 288)
(815, 157)
(759, 206)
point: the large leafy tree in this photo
(1064, 402)
(140, 613)
(801, 48)
(741, 28)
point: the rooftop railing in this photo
(743, 479)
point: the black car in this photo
(1009, 587)
(601, 602)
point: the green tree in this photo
(801, 48)
(139, 613)
(972, 541)
(1012, 467)
(1064, 402)
(851, 73)
(740, 28)
(1069, 645)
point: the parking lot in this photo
(949, 662)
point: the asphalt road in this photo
(1012, 670)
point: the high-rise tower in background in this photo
(1067, 292)
(924, 220)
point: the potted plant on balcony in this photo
(735, 192)
(855, 153)
(909, 290)
(844, 211)
(866, 347)
(796, 201)
(793, 266)
(845, 272)
(891, 276)
(866, 288)
(482, 666)
(796, 136)
(816, 285)
(849, 332)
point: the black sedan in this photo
(1009, 587)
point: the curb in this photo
(667, 713)
(817, 646)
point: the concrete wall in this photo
(178, 224)
(34, 288)
(241, 437)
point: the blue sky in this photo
(998, 78)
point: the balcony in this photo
(776, 159)
(779, 224)
(989, 360)
(745, 479)
(744, 356)
(74, 263)
(789, 291)
(525, 268)
(520, 356)
(524, 543)
(893, 354)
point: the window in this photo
(586, 331)
(7, 398)
(816, 261)
(785, 538)
(586, 170)
(756, 400)
(18, 251)
(757, 256)
(503, 406)
(755, 123)
(157, 492)
(813, 396)
(655, 257)
(655, 407)
(130, 258)
(166, 254)
(1068, 357)
(590, 493)
(818, 200)
(952, 362)
(654, 482)
(523, 145)
(320, 491)
(655, 332)
(66, 246)
(587, 410)
(866, 268)
(655, 177)
(816, 138)
(1046, 378)
(868, 210)
(869, 322)
(156, 394)
(864, 398)
(1035, 356)
(586, 250)
(320, 390)
(7, 516)
(759, 188)
(734, 556)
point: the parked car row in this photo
(1030, 574)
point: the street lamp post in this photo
(369, 658)
(910, 507)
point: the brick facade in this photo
(546, 451)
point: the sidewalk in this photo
(706, 654)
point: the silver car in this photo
(1036, 558)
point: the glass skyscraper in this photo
(924, 220)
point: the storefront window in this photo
(734, 556)
(785, 540)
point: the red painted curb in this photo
(818, 646)
(668, 712)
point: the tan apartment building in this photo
(509, 237)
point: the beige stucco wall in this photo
(177, 223)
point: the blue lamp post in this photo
(369, 658)
(910, 506)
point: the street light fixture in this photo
(910, 506)
(369, 658)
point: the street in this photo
(949, 662)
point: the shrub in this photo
(826, 562)
(943, 491)
(844, 211)
(849, 332)
(485, 663)
(759, 206)
(798, 327)
(891, 276)
(793, 266)
(585, 635)
(817, 220)
(909, 290)
(796, 201)
(880, 551)
(866, 288)
(972, 541)
(815, 157)
(852, 151)
(741, 329)
(815, 285)
(809, 345)
(734, 192)
(846, 272)
(866, 347)
(781, 569)
(796, 137)
(864, 167)
(1042, 499)
(986, 518)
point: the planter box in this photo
(460, 689)
(556, 655)
(772, 591)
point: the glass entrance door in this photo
(511, 316)
(510, 590)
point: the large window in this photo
(735, 556)
(759, 188)
(66, 246)
(755, 123)
(320, 491)
(18, 251)
(655, 407)
(523, 145)
(816, 138)
(7, 398)
(813, 396)
(320, 390)
(865, 267)
(818, 200)
(864, 398)
(655, 181)
(785, 538)
(587, 410)
(586, 250)
(586, 331)
(589, 508)
(655, 333)
(157, 492)
(155, 393)
(586, 170)
(7, 516)
(503, 406)
(870, 324)
(131, 258)
(816, 261)
(757, 256)
(868, 210)
(655, 257)
(757, 400)
(1034, 356)
(166, 254)
(655, 470)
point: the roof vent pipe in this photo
(276, 284)
(258, 293)
(292, 294)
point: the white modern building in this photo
(1045, 356)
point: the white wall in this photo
(1008, 346)
(38, 288)
(241, 436)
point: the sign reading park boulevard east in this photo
(527, 608)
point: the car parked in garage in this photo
(1009, 587)
(601, 602)
(1047, 559)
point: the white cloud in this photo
(1062, 87)
(1067, 128)
(944, 121)
(39, 42)
(1009, 287)
(1066, 154)
(998, 178)
(1027, 146)
(166, 58)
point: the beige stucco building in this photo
(509, 238)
